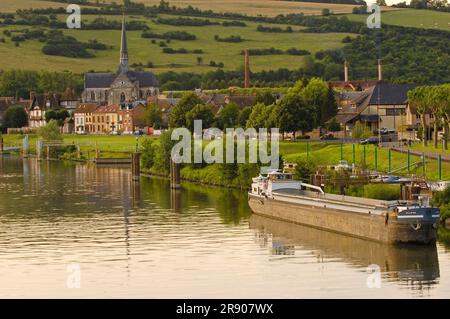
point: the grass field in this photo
(13, 5)
(29, 55)
(268, 8)
(426, 19)
(320, 153)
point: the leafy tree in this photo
(177, 117)
(333, 125)
(153, 116)
(265, 98)
(199, 112)
(318, 95)
(51, 131)
(244, 115)
(148, 153)
(228, 116)
(417, 98)
(58, 115)
(257, 117)
(295, 115)
(15, 117)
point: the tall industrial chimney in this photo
(380, 71)
(346, 72)
(247, 69)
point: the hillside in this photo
(426, 19)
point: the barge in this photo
(279, 196)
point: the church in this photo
(120, 88)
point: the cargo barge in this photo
(279, 196)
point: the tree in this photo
(187, 102)
(442, 95)
(417, 99)
(321, 97)
(199, 60)
(326, 12)
(228, 116)
(199, 112)
(153, 116)
(265, 98)
(57, 115)
(51, 131)
(333, 125)
(294, 115)
(244, 115)
(257, 117)
(15, 117)
(381, 3)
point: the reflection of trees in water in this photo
(414, 266)
(230, 204)
(444, 237)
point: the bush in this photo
(304, 169)
(360, 130)
(148, 153)
(50, 131)
(381, 191)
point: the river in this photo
(75, 230)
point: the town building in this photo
(383, 105)
(39, 105)
(132, 119)
(122, 86)
(83, 117)
(105, 119)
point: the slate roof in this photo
(104, 80)
(391, 94)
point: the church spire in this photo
(123, 50)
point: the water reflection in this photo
(140, 239)
(416, 266)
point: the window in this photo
(92, 96)
(122, 97)
(395, 112)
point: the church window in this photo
(149, 93)
(92, 96)
(122, 97)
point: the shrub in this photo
(50, 131)
(360, 130)
(381, 191)
(304, 169)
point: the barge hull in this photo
(379, 228)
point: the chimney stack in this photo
(380, 71)
(247, 69)
(346, 72)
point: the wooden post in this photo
(97, 151)
(78, 152)
(136, 166)
(364, 154)
(342, 151)
(174, 175)
(39, 145)
(48, 153)
(1, 145)
(25, 145)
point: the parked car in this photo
(370, 140)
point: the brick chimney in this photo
(247, 69)
(380, 71)
(345, 71)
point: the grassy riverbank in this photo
(319, 152)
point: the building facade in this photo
(122, 86)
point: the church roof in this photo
(104, 80)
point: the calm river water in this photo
(60, 221)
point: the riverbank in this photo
(321, 153)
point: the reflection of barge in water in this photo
(414, 264)
(279, 196)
